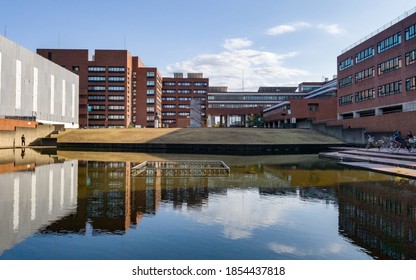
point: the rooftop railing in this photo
(384, 27)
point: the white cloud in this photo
(244, 213)
(237, 43)
(227, 68)
(286, 28)
(333, 29)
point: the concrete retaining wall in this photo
(8, 138)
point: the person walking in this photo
(23, 140)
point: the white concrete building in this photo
(35, 88)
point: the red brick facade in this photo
(376, 80)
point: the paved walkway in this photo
(401, 163)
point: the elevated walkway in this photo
(401, 163)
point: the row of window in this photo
(196, 84)
(103, 98)
(111, 69)
(110, 107)
(174, 114)
(382, 68)
(382, 90)
(251, 97)
(105, 117)
(389, 42)
(103, 88)
(184, 91)
(202, 99)
(103, 78)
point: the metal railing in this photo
(181, 168)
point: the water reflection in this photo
(43, 190)
(284, 207)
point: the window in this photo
(116, 117)
(116, 69)
(116, 79)
(75, 68)
(200, 84)
(96, 68)
(96, 88)
(96, 78)
(150, 92)
(345, 64)
(345, 81)
(344, 100)
(184, 84)
(389, 65)
(168, 114)
(116, 107)
(150, 100)
(169, 106)
(169, 83)
(410, 32)
(364, 75)
(116, 88)
(313, 107)
(96, 117)
(150, 83)
(116, 98)
(390, 88)
(172, 91)
(183, 106)
(185, 91)
(389, 43)
(365, 54)
(150, 109)
(150, 74)
(169, 98)
(410, 57)
(150, 118)
(201, 91)
(97, 107)
(183, 113)
(96, 97)
(364, 95)
(411, 83)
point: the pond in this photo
(90, 206)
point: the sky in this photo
(242, 44)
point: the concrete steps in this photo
(401, 163)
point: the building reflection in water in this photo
(96, 198)
(35, 197)
(380, 217)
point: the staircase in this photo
(401, 163)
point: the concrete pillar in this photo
(355, 115)
(378, 112)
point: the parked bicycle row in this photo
(393, 143)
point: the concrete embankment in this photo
(236, 141)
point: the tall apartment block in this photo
(105, 84)
(182, 96)
(377, 79)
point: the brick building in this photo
(105, 84)
(377, 79)
(177, 93)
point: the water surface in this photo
(296, 207)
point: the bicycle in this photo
(373, 143)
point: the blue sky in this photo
(268, 42)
